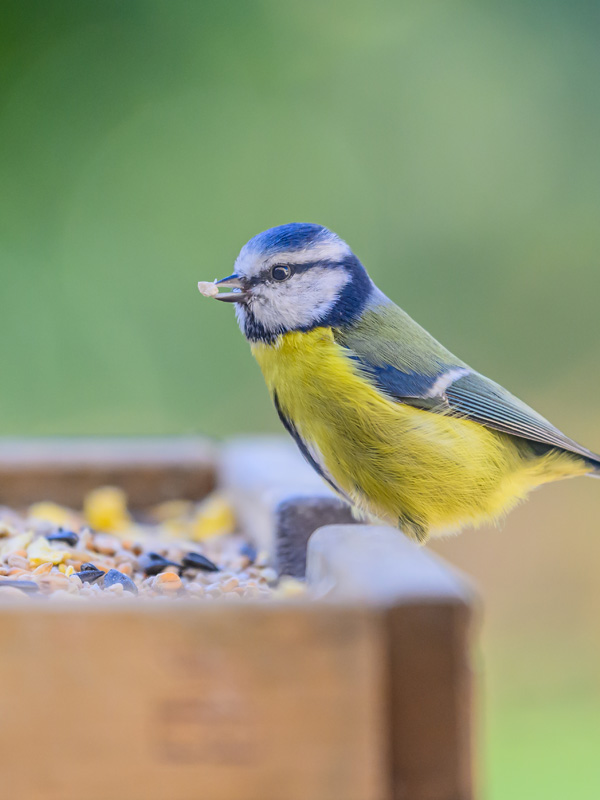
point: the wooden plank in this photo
(252, 702)
(363, 694)
(430, 679)
(64, 470)
(377, 564)
(430, 701)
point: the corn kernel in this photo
(214, 517)
(105, 509)
(40, 551)
(52, 512)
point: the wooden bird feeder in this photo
(360, 691)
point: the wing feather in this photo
(484, 401)
(405, 362)
(452, 388)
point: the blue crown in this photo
(293, 236)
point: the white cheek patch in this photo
(299, 302)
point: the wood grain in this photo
(361, 691)
(244, 703)
(429, 615)
(64, 470)
(430, 701)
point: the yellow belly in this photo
(398, 463)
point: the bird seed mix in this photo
(178, 549)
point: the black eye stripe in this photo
(296, 270)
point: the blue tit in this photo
(390, 419)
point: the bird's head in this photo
(295, 277)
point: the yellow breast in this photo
(399, 463)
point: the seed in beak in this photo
(238, 295)
(207, 289)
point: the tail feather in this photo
(595, 464)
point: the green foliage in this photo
(454, 147)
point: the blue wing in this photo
(484, 401)
(406, 363)
(460, 391)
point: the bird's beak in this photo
(238, 295)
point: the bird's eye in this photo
(281, 272)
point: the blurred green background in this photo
(454, 145)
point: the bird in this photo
(400, 428)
